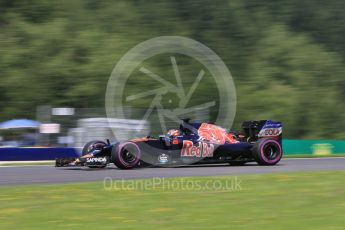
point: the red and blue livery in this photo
(192, 143)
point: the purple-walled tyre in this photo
(92, 146)
(267, 151)
(126, 155)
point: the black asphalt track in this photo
(48, 174)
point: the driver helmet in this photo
(173, 133)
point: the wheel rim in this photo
(129, 154)
(271, 152)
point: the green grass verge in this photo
(284, 201)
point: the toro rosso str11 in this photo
(192, 143)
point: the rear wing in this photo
(254, 130)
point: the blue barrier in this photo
(36, 154)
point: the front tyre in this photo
(126, 155)
(267, 151)
(91, 147)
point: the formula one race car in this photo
(192, 143)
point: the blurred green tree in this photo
(286, 57)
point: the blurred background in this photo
(286, 58)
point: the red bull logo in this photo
(202, 149)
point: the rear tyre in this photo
(267, 151)
(92, 146)
(126, 155)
